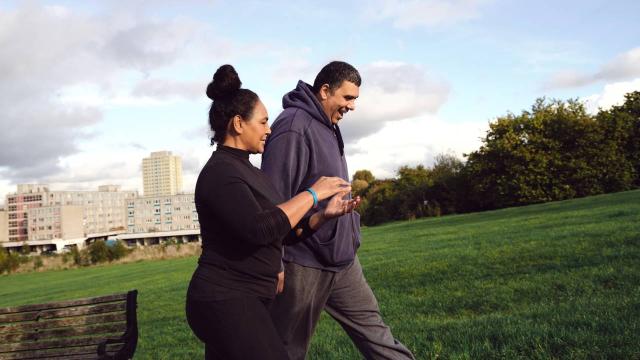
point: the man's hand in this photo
(338, 207)
(280, 286)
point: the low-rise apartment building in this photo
(56, 222)
(162, 213)
(102, 211)
(4, 235)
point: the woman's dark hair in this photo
(229, 100)
(334, 73)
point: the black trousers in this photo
(237, 328)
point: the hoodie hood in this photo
(302, 97)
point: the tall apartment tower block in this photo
(162, 174)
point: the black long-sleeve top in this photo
(242, 229)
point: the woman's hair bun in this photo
(225, 83)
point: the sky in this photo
(89, 88)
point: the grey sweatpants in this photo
(347, 297)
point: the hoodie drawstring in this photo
(336, 129)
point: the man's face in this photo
(338, 102)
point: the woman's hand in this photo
(337, 206)
(326, 187)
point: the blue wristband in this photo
(315, 197)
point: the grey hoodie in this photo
(303, 147)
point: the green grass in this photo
(557, 280)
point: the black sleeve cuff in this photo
(273, 225)
(300, 232)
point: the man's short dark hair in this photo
(334, 73)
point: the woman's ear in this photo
(236, 124)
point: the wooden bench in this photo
(102, 327)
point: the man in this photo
(322, 271)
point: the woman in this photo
(243, 221)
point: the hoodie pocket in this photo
(337, 246)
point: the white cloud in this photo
(567, 79)
(88, 170)
(48, 55)
(406, 14)
(612, 94)
(89, 94)
(121, 165)
(167, 89)
(412, 142)
(62, 69)
(390, 92)
(623, 67)
(5, 188)
(294, 65)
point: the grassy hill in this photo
(557, 280)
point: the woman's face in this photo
(256, 129)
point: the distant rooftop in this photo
(160, 153)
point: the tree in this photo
(359, 187)
(9, 261)
(117, 250)
(617, 171)
(365, 175)
(621, 125)
(361, 181)
(552, 152)
(447, 191)
(98, 252)
(381, 203)
(25, 249)
(412, 188)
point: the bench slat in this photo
(51, 344)
(51, 334)
(64, 312)
(86, 352)
(57, 323)
(111, 350)
(52, 353)
(76, 357)
(62, 304)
